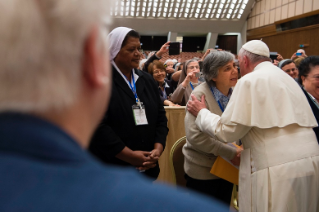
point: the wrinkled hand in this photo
(194, 105)
(236, 159)
(163, 49)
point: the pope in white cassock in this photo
(279, 168)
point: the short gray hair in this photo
(253, 58)
(213, 62)
(41, 50)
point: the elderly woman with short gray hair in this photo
(201, 150)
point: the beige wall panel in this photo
(263, 6)
(307, 6)
(257, 22)
(272, 16)
(253, 21)
(291, 9)
(284, 12)
(278, 14)
(257, 5)
(267, 20)
(249, 23)
(292, 0)
(262, 20)
(267, 5)
(315, 5)
(253, 12)
(272, 4)
(284, 2)
(299, 7)
(287, 43)
(278, 3)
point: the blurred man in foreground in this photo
(55, 87)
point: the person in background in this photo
(187, 82)
(134, 128)
(165, 87)
(178, 72)
(279, 163)
(201, 150)
(169, 65)
(301, 53)
(141, 65)
(289, 67)
(309, 79)
(298, 60)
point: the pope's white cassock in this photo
(279, 168)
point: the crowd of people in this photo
(83, 122)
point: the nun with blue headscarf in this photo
(134, 129)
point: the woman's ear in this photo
(302, 79)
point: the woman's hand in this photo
(188, 78)
(236, 159)
(170, 70)
(163, 50)
(169, 103)
(139, 157)
(279, 57)
(294, 56)
(153, 157)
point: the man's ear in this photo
(246, 61)
(95, 60)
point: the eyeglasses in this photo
(158, 71)
(315, 77)
(193, 67)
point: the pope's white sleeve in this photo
(209, 123)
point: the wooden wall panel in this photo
(286, 43)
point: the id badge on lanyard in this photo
(138, 109)
(139, 113)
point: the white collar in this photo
(124, 77)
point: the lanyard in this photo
(133, 87)
(164, 93)
(220, 105)
(191, 85)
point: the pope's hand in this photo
(194, 105)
